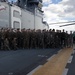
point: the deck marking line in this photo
(59, 50)
(65, 71)
(31, 73)
(73, 52)
(42, 56)
(10, 73)
(70, 59)
(51, 57)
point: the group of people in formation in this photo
(14, 39)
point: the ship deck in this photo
(22, 62)
(38, 62)
(56, 65)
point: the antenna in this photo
(60, 22)
(67, 25)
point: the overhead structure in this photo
(21, 14)
(30, 3)
(62, 24)
(67, 24)
(21, 3)
(3, 0)
(35, 3)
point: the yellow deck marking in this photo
(57, 64)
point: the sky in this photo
(59, 11)
(12, 0)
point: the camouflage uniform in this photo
(0, 38)
(18, 37)
(53, 38)
(63, 39)
(6, 44)
(27, 39)
(40, 40)
(14, 44)
(12, 35)
(70, 39)
(33, 39)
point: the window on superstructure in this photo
(16, 14)
(16, 25)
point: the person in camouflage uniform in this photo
(23, 34)
(18, 38)
(6, 44)
(53, 38)
(66, 39)
(33, 39)
(50, 38)
(70, 39)
(0, 38)
(39, 39)
(63, 39)
(27, 39)
(14, 43)
(12, 39)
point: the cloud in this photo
(47, 1)
(63, 11)
(12, 0)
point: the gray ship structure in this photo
(22, 14)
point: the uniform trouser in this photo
(33, 44)
(22, 43)
(40, 43)
(2, 43)
(10, 43)
(19, 43)
(26, 43)
(63, 43)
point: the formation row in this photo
(12, 39)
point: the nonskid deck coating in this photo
(57, 64)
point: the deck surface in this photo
(21, 62)
(57, 64)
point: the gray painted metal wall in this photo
(27, 19)
(20, 18)
(4, 15)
